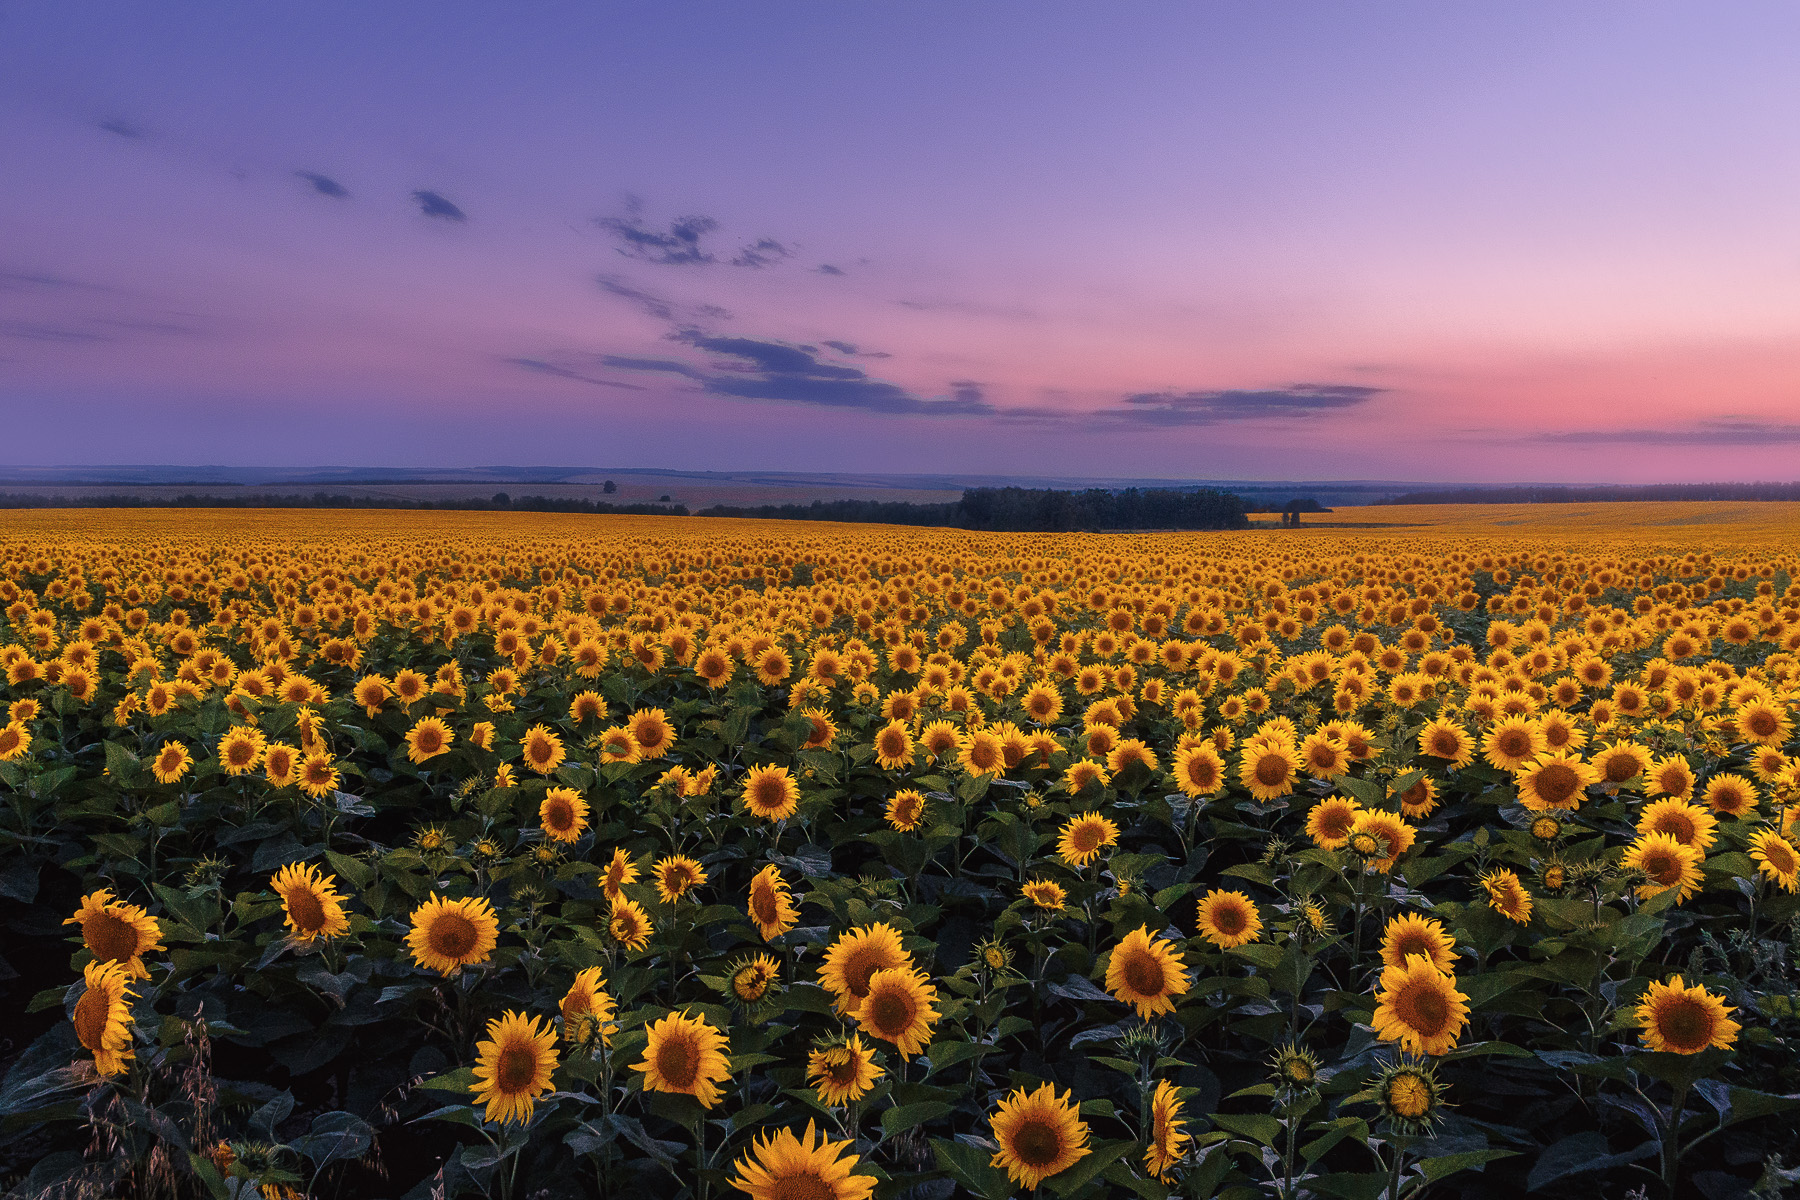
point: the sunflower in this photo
(1506, 895)
(854, 957)
(1409, 934)
(513, 1066)
(314, 908)
(1228, 919)
(543, 750)
(843, 1072)
(1667, 864)
(1269, 769)
(1554, 780)
(1329, 822)
(1687, 823)
(1083, 837)
(1039, 1135)
(448, 935)
(1446, 739)
(906, 810)
(318, 775)
(619, 872)
(1763, 724)
(428, 739)
(1045, 894)
(781, 1166)
(102, 1016)
(1392, 835)
(241, 750)
(563, 814)
(1199, 771)
(1168, 1142)
(1146, 972)
(940, 738)
(587, 1010)
(1042, 703)
(897, 1008)
(171, 762)
(15, 740)
(617, 745)
(1776, 857)
(676, 876)
(629, 924)
(1083, 774)
(1671, 776)
(771, 793)
(1419, 800)
(1512, 743)
(685, 1056)
(1419, 1007)
(1676, 1019)
(114, 931)
(894, 746)
(1621, 762)
(281, 764)
(1324, 756)
(1730, 794)
(587, 706)
(1410, 1095)
(980, 753)
(771, 905)
(1127, 752)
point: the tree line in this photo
(1028, 510)
(1540, 494)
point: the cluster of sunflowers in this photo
(591, 853)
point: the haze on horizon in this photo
(1414, 241)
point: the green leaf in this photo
(902, 1117)
(969, 1166)
(1261, 953)
(1256, 1126)
(460, 1080)
(1082, 1173)
(1449, 1164)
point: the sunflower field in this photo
(433, 856)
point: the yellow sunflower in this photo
(629, 924)
(1621, 762)
(620, 871)
(543, 750)
(102, 1016)
(1199, 771)
(1667, 864)
(1507, 895)
(1419, 1007)
(318, 775)
(114, 931)
(897, 1008)
(906, 810)
(1409, 934)
(241, 750)
(428, 739)
(1687, 823)
(1228, 919)
(894, 746)
(1269, 769)
(843, 1072)
(1446, 739)
(676, 875)
(311, 901)
(1512, 743)
(563, 814)
(1776, 857)
(685, 1056)
(781, 1166)
(1676, 1019)
(1146, 972)
(1393, 836)
(1083, 837)
(1039, 1135)
(651, 730)
(448, 935)
(771, 793)
(15, 740)
(1168, 1141)
(1554, 780)
(513, 1066)
(854, 957)
(281, 764)
(171, 762)
(587, 1010)
(771, 904)
(1329, 821)
(1730, 794)
(1083, 774)
(1046, 894)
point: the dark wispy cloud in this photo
(34, 331)
(660, 307)
(23, 281)
(1722, 431)
(561, 371)
(1239, 404)
(325, 185)
(683, 243)
(828, 269)
(123, 128)
(854, 351)
(625, 362)
(434, 205)
(758, 369)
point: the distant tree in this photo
(609, 487)
(664, 496)
(502, 499)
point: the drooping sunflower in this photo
(619, 872)
(1146, 972)
(685, 1056)
(1228, 919)
(15, 740)
(1046, 894)
(281, 764)
(1419, 1007)
(781, 1166)
(751, 977)
(897, 1008)
(311, 901)
(1667, 864)
(1269, 769)
(854, 957)
(894, 745)
(513, 1066)
(587, 1010)
(1687, 823)
(1776, 858)
(1328, 823)
(448, 935)
(543, 750)
(1393, 836)
(629, 924)
(906, 810)
(676, 875)
(1039, 1135)
(843, 1071)
(1083, 837)
(1730, 794)
(771, 793)
(102, 1016)
(1507, 895)
(171, 762)
(1677, 1019)
(1554, 780)
(1446, 739)
(1409, 934)
(241, 750)
(771, 904)
(114, 931)
(1199, 771)
(1168, 1141)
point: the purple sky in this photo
(1298, 240)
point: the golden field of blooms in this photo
(435, 855)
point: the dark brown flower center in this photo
(452, 935)
(304, 908)
(111, 938)
(1271, 770)
(1685, 1024)
(516, 1069)
(1556, 783)
(890, 1013)
(1143, 974)
(678, 1060)
(1036, 1144)
(90, 1018)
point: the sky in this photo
(1512, 242)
